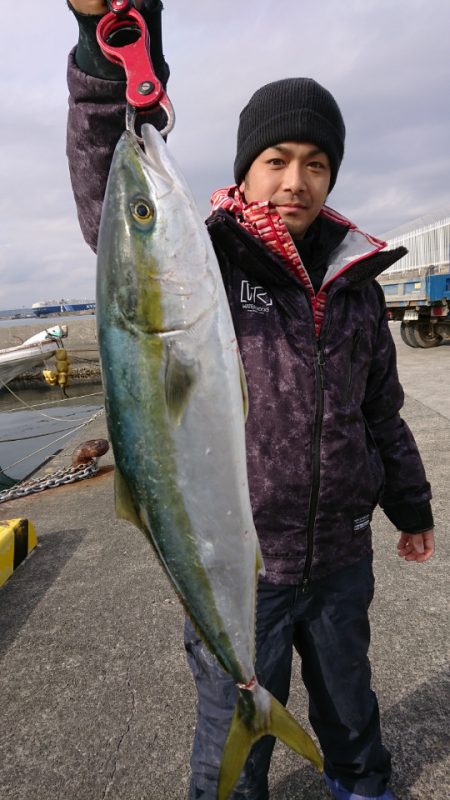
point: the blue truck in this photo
(420, 300)
(417, 288)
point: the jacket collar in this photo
(358, 259)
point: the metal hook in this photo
(132, 115)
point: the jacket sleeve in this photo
(407, 494)
(97, 109)
(96, 120)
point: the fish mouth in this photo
(153, 156)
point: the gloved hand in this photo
(89, 57)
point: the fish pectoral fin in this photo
(181, 377)
(125, 508)
(259, 714)
(244, 389)
(260, 568)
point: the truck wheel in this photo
(424, 335)
(407, 334)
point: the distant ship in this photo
(44, 307)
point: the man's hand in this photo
(96, 6)
(416, 546)
(89, 6)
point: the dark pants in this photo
(328, 626)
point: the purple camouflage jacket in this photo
(325, 441)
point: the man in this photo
(325, 441)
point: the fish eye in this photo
(142, 210)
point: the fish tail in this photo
(258, 714)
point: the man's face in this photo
(294, 177)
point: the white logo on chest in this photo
(255, 298)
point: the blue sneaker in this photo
(339, 792)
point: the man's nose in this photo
(294, 178)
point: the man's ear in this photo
(242, 187)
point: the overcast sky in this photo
(387, 62)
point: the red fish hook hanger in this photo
(124, 39)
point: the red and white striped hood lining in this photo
(263, 221)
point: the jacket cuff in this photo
(90, 59)
(410, 518)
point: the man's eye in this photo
(276, 162)
(317, 165)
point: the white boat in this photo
(31, 353)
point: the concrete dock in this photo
(97, 701)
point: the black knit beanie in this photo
(293, 109)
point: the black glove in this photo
(90, 59)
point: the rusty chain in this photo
(59, 478)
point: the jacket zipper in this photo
(319, 363)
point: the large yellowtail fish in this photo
(174, 397)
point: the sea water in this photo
(37, 424)
(46, 322)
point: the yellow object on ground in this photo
(17, 539)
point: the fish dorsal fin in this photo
(125, 508)
(181, 377)
(243, 387)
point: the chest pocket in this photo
(355, 367)
(351, 366)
